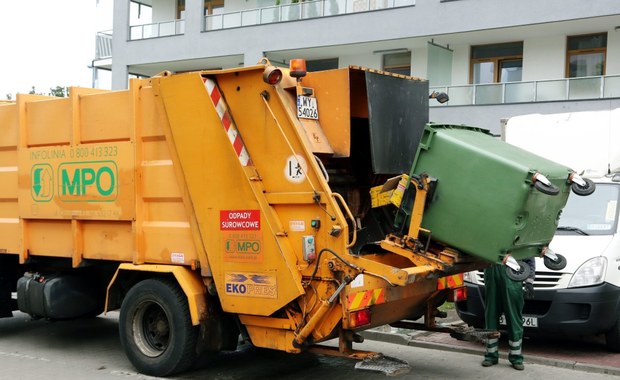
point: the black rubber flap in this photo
(397, 112)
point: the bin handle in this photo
(350, 215)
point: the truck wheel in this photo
(521, 274)
(612, 337)
(583, 190)
(558, 264)
(155, 328)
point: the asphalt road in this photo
(90, 349)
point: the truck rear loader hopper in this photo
(210, 204)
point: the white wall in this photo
(164, 10)
(613, 52)
(544, 58)
(460, 64)
(419, 62)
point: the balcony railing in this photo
(103, 45)
(298, 11)
(158, 29)
(598, 87)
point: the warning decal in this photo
(239, 220)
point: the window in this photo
(211, 7)
(322, 64)
(497, 63)
(214, 7)
(398, 63)
(585, 55)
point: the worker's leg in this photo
(493, 309)
(514, 319)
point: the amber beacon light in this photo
(298, 68)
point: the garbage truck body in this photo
(216, 204)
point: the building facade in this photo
(495, 58)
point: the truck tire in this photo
(155, 328)
(612, 337)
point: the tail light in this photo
(272, 75)
(359, 318)
(457, 294)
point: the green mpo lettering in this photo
(95, 181)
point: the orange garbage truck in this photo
(255, 203)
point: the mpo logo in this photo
(93, 181)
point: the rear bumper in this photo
(578, 311)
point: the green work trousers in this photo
(503, 296)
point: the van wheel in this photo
(521, 274)
(558, 264)
(155, 328)
(583, 190)
(612, 337)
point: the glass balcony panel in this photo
(612, 87)
(551, 90)
(291, 12)
(251, 17)
(180, 27)
(231, 20)
(311, 9)
(460, 95)
(584, 88)
(150, 31)
(167, 29)
(135, 32)
(520, 92)
(214, 22)
(334, 7)
(269, 15)
(489, 94)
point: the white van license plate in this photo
(527, 321)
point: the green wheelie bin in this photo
(490, 200)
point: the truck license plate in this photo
(527, 321)
(307, 108)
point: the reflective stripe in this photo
(492, 341)
(491, 349)
(515, 352)
(515, 344)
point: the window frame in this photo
(497, 60)
(577, 52)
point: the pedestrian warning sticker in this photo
(250, 285)
(295, 169)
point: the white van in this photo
(583, 298)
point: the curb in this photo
(406, 340)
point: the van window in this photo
(595, 214)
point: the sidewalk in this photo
(583, 355)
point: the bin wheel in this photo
(547, 189)
(558, 264)
(583, 190)
(156, 330)
(521, 274)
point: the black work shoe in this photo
(518, 366)
(488, 362)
